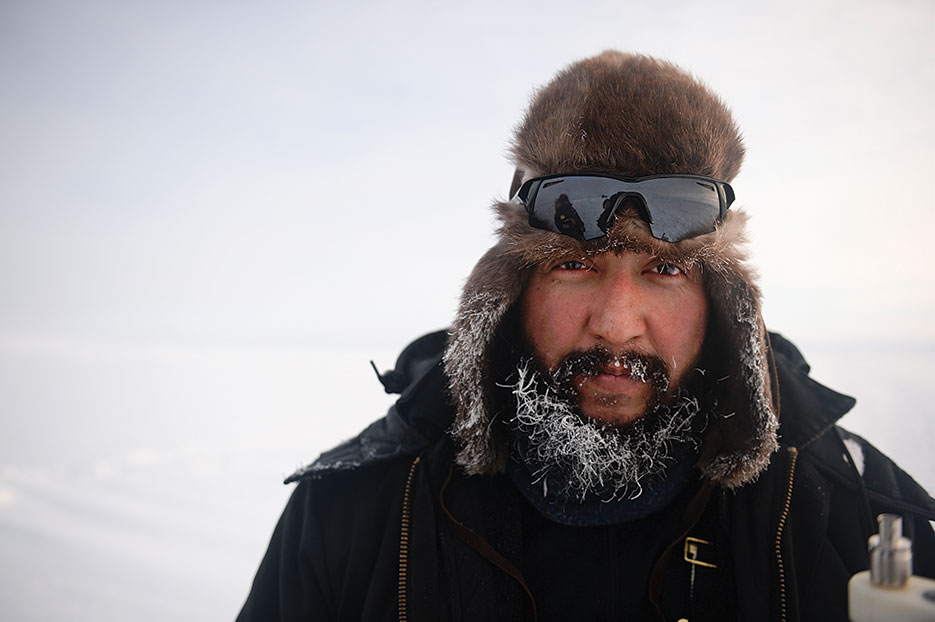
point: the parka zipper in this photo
(402, 587)
(793, 453)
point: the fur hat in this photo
(626, 115)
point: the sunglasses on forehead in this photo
(677, 207)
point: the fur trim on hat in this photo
(630, 116)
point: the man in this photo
(600, 435)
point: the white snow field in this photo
(143, 483)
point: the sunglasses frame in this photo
(527, 192)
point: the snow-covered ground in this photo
(142, 483)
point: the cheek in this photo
(682, 331)
(551, 322)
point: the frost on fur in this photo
(464, 360)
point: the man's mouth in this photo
(614, 378)
(599, 371)
(620, 368)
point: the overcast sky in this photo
(310, 171)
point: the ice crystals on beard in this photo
(583, 457)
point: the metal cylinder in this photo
(890, 553)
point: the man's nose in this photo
(618, 312)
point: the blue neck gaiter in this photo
(595, 510)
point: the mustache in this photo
(580, 364)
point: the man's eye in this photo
(572, 265)
(668, 269)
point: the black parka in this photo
(384, 527)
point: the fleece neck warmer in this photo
(593, 510)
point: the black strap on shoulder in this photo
(866, 517)
(473, 540)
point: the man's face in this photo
(622, 303)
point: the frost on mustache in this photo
(583, 457)
(591, 363)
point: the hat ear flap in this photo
(495, 284)
(742, 432)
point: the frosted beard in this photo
(581, 458)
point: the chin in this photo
(612, 417)
(618, 409)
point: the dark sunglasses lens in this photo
(680, 208)
(585, 207)
(582, 207)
